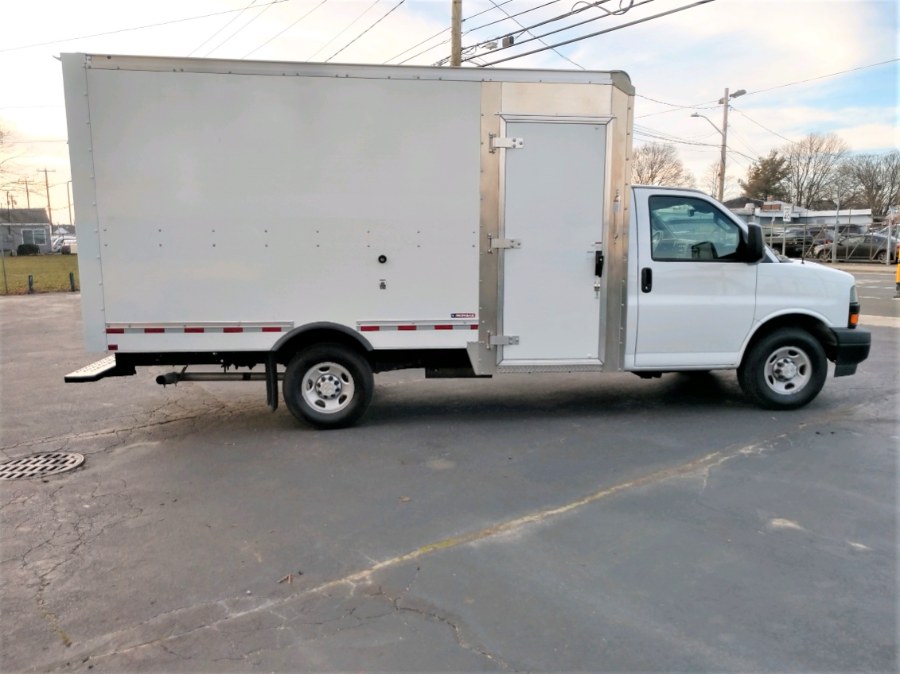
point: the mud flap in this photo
(272, 382)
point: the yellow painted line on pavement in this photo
(698, 466)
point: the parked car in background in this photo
(797, 241)
(63, 244)
(860, 247)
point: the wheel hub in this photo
(788, 370)
(329, 387)
(784, 369)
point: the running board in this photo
(105, 367)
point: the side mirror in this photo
(755, 249)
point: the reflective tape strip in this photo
(193, 329)
(407, 327)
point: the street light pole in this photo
(720, 186)
(724, 146)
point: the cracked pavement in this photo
(576, 524)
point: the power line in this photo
(391, 11)
(822, 77)
(231, 21)
(510, 16)
(556, 51)
(699, 106)
(765, 128)
(444, 30)
(602, 32)
(282, 32)
(618, 12)
(659, 135)
(228, 39)
(126, 30)
(344, 30)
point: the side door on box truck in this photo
(553, 207)
(696, 296)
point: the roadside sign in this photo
(786, 210)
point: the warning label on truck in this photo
(465, 314)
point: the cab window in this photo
(691, 229)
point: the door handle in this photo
(598, 263)
(646, 279)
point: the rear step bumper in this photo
(105, 367)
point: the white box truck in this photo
(323, 222)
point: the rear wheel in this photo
(880, 256)
(784, 370)
(328, 385)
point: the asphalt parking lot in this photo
(554, 523)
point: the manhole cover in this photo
(40, 465)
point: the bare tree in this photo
(658, 164)
(875, 180)
(811, 163)
(710, 182)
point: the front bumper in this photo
(851, 348)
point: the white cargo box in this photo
(223, 204)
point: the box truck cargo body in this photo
(316, 223)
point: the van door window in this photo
(692, 230)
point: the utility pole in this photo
(27, 192)
(721, 190)
(47, 187)
(456, 33)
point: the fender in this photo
(312, 331)
(816, 324)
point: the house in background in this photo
(24, 225)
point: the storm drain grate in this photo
(40, 465)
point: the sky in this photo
(808, 66)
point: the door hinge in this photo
(504, 340)
(496, 244)
(505, 143)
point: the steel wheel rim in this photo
(788, 370)
(328, 387)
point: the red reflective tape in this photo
(443, 327)
(194, 330)
(407, 327)
(369, 328)
(153, 331)
(232, 329)
(115, 331)
(271, 329)
(113, 347)
(474, 326)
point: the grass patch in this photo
(50, 272)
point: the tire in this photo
(880, 256)
(824, 255)
(784, 370)
(328, 386)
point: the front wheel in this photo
(328, 385)
(784, 370)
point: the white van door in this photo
(696, 299)
(553, 197)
